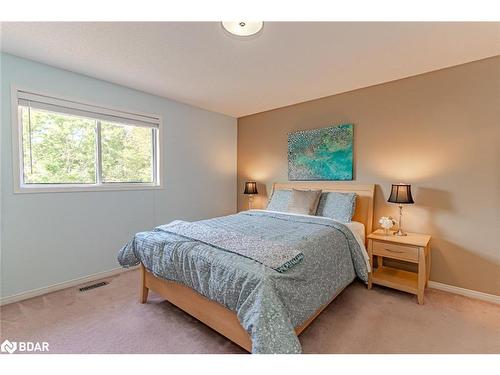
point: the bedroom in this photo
(312, 187)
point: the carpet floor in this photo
(110, 320)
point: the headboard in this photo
(364, 199)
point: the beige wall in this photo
(438, 131)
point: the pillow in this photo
(304, 201)
(279, 200)
(337, 206)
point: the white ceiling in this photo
(289, 62)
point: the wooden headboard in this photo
(364, 200)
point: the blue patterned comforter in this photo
(269, 304)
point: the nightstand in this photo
(414, 248)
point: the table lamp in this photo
(250, 189)
(400, 194)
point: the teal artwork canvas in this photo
(321, 154)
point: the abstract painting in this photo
(321, 154)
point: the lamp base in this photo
(400, 233)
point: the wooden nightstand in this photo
(414, 248)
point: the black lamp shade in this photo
(250, 187)
(401, 194)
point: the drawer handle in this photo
(395, 251)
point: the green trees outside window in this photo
(63, 149)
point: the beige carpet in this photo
(110, 320)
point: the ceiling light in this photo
(243, 28)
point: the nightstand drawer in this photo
(401, 252)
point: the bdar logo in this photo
(8, 347)
(24, 346)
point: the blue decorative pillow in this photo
(337, 206)
(279, 200)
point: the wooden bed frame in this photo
(220, 318)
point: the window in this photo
(67, 145)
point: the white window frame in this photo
(17, 149)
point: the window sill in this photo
(33, 189)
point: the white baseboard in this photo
(464, 292)
(64, 285)
(101, 275)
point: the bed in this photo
(260, 307)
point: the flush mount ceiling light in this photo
(243, 28)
